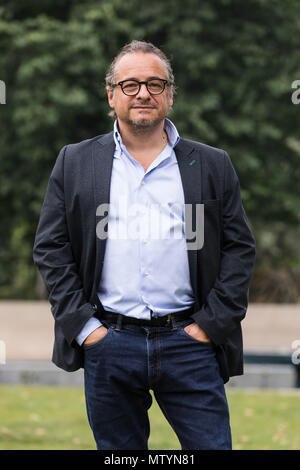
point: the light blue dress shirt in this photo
(146, 261)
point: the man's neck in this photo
(138, 139)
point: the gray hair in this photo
(146, 48)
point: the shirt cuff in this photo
(91, 325)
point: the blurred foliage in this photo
(234, 63)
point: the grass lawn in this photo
(34, 418)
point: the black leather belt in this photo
(165, 320)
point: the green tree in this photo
(234, 64)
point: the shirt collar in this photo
(173, 136)
(172, 132)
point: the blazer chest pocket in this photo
(212, 206)
(212, 202)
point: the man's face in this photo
(144, 109)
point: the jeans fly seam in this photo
(148, 361)
(158, 355)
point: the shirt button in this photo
(146, 273)
(143, 182)
(145, 241)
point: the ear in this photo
(110, 96)
(170, 99)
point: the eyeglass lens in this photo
(154, 87)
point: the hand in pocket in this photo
(96, 335)
(197, 333)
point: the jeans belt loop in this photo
(119, 322)
(174, 327)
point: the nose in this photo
(143, 93)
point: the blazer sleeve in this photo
(226, 303)
(52, 253)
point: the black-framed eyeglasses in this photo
(155, 86)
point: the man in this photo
(136, 303)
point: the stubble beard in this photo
(145, 124)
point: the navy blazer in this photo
(70, 256)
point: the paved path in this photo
(26, 327)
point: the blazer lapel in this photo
(189, 162)
(103, 152)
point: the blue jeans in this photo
(121, 368)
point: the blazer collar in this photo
(189, 162)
